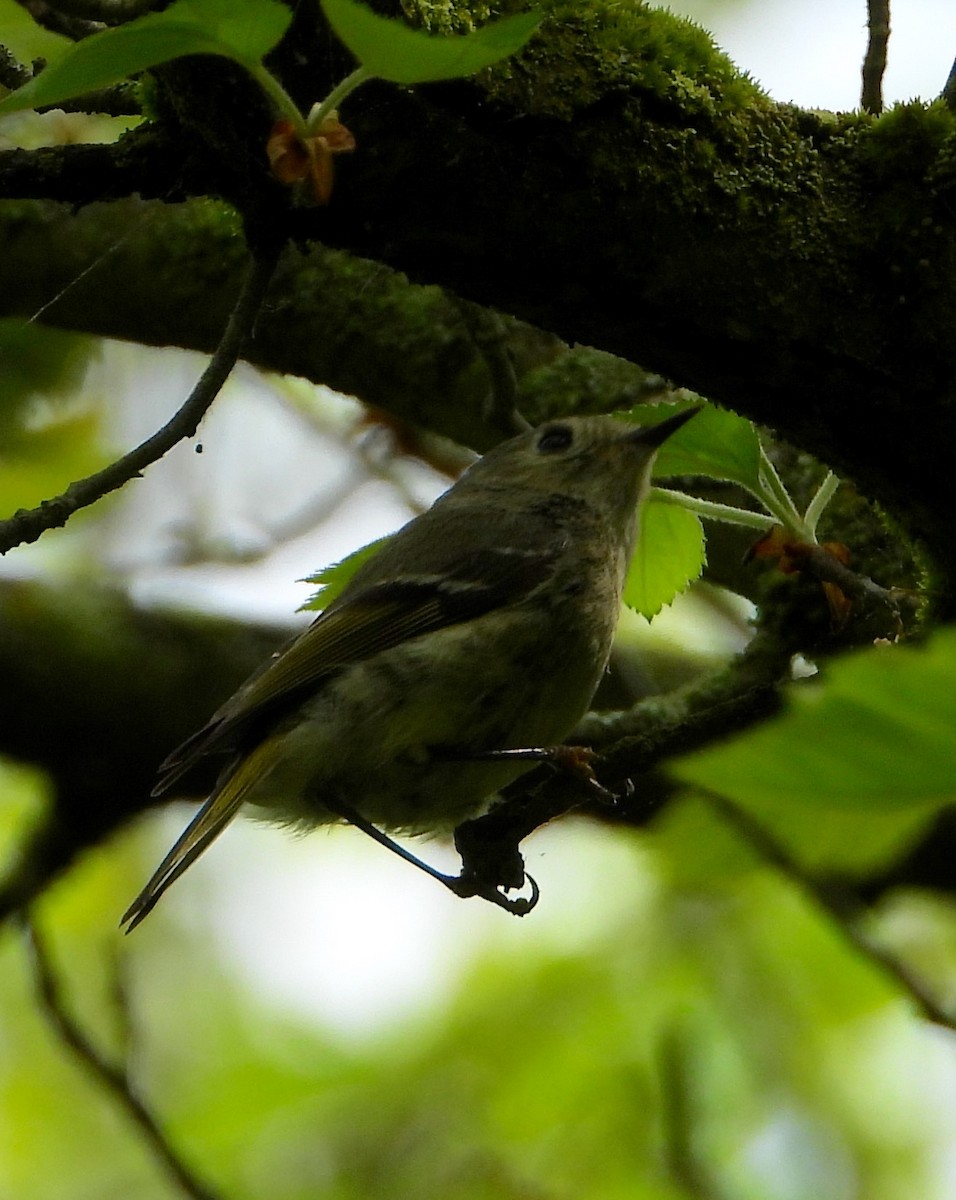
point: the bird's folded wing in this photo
(367, 622)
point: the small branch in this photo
(844, 910)
(28, 524)
(638, 740)
(113, 1079)
(874, 61)
(819, 562)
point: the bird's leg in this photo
(471, 882)
(569, 760)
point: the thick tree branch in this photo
(357, 326)
(794, 266)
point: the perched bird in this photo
(483, 625)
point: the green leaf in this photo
(393, 51)
(857, 764)
(332, 579)
(242, 32)
(716, 443)
(24, 38)
(669, 556)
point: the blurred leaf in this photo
(857, 764)
(41, 465)
(393, 51)
(35, 358)
(24, 800)
(332, 579)
(669, 556)
(46, 437)
(716, 443)
(24, 38)
(243, 32)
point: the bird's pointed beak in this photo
(656, 435)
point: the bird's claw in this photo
(467, 885)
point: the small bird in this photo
(483, 625)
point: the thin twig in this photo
(844, 910)
(28, 524)
(874, 61)
(823, 565)
(114, 1079)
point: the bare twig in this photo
(28, 524)
(114, 1079)
(842, 908)
(822, 564)
(874, 61)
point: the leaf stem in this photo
(710, 510)
(817, 506)
(280, 98)
(776, 499)
(320, 111)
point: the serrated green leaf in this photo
(332, 579)
(669, 556)
(857, 764)
(244, 33)
(393, 51)
(716, 443)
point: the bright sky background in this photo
(809, 52)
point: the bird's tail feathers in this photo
(205, 827)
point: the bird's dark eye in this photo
(554, 439)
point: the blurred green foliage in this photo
(704, 1030)
(49, 430)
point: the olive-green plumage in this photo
(484, 624)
